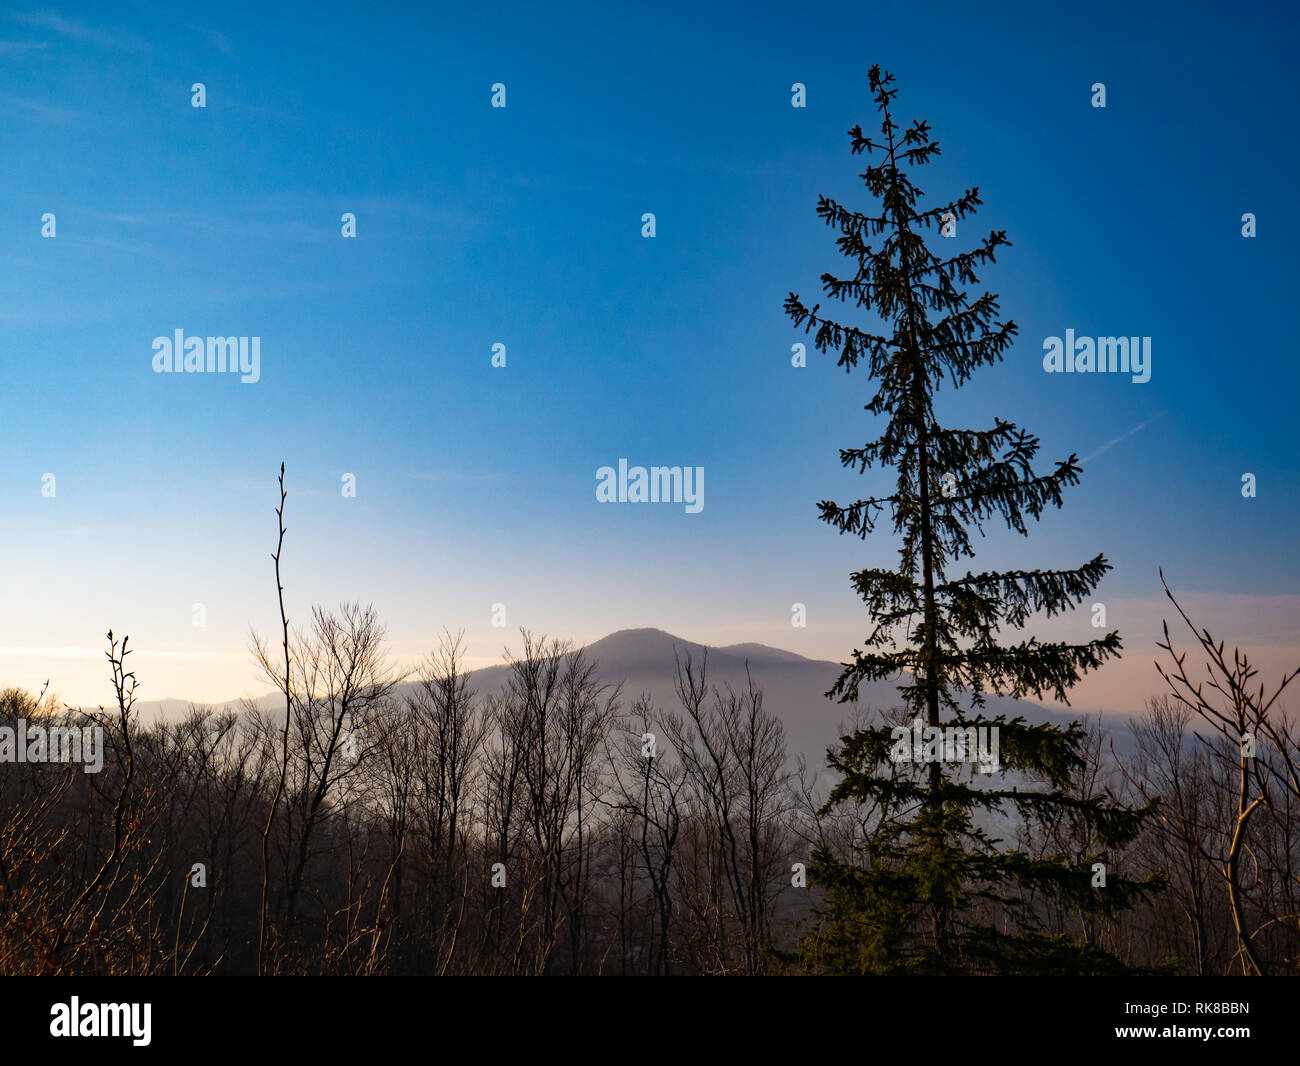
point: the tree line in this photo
(556, 827)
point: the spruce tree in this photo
(931, 887)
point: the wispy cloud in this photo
(216, 38)
(22, 46)
(41, 110)
(114, 216)
(1123, 436)
(64, 652)
(167, 12)
(456, 475)
(72, 30)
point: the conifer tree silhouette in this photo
(930, 887)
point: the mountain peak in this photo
(642, 646)
(648, 644)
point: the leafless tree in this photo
(733, 755)
(1257, 755)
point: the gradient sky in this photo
(523, 226)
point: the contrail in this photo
(1123, 436)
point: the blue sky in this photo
(522, 226)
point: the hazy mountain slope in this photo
(793, 686)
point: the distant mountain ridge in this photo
(644, 660)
